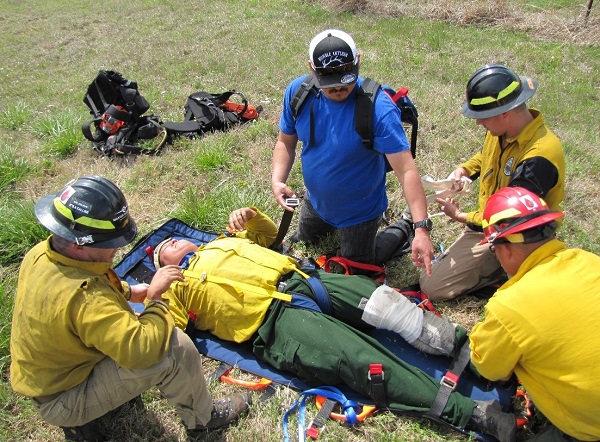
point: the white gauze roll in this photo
(390, 310)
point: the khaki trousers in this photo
(179, 377)
(465, 267)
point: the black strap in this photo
(105, 104)
(185, 127)
(196, 106)
(309, 85)
(450, 380)
(284, 226)
(377, 393)
(319, 421)
(409, 115)
(311, 141)
(87, 99)
(268, 393)
(114, 111)
(97, 135)
(223, 368)
(363, 115)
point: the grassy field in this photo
(52, 50)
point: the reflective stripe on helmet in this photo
(83, 220)
(511, 212)
(502, 94)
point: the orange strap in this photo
(250, 113)
(258, 386)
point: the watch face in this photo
(426, 223)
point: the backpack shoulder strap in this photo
(308, 86)
(363, 115)
(201, 108)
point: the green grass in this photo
(52, 51)
(13, 167)
(14, 116)
(60, 133)
(19, 229)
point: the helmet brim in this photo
(534, 222)
(529, 88)
(43, 212)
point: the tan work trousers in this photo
(179, 377)
(465, 267)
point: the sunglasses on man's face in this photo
(341, 69)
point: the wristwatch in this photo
(426, 224)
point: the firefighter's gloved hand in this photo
(390, 310)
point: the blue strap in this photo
(348, 407)
(321, 296)
(302, 301)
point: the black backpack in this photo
(363, 117)
(118, 123)
(207, 112)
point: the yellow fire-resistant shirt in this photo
(69, 315)
(543, 325)
(496, 166)
(231, 282)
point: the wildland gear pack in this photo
(363, 116)
(120, 127)
(118, 123)
(208, 112)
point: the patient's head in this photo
(171, 251)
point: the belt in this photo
(47, 398)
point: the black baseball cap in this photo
(334, 58)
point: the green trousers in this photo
(332, 350)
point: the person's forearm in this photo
(414, 194)
(283, 159)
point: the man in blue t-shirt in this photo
(345, 181)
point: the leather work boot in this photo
(225, 411)
(89, 432)
(488, 418)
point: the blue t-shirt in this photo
(345, 181)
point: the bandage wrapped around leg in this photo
(437, 335)
(390, 310)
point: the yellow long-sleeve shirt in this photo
(543, 325)
(69, 315)
(497, 165)
(231, 282)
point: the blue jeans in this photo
(356, 242)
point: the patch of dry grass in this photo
(567, 24)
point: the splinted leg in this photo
(390, 310)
